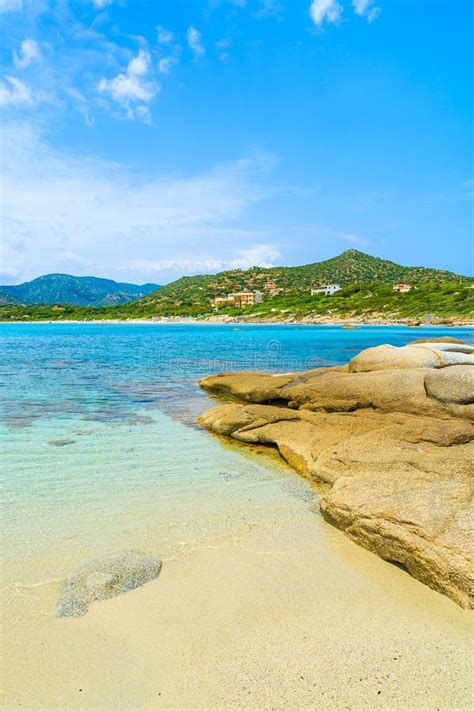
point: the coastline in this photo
(260, 602)
(233, 321)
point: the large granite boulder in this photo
(392, 449)
(104, 578)
(451, 385)
(427, 354)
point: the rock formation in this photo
(389, 437)
(105, 578)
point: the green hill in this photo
(79, 291)
(366, 293)
(350, 267)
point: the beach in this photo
(293, 615)
(354, 322)
(260, 603)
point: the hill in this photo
(366, 294)
(79, 291)
(350, 267)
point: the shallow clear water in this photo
(100, 448)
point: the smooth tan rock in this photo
(439, 339)
(411, 390)
(394, 450)
(452, 385)
(418, 355)
(412, 520)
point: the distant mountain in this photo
(79, 291)
(7, 298)
(350, 267)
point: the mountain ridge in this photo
(58, 288)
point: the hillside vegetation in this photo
(366, 294)
(350, 267)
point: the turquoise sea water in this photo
(100, 447)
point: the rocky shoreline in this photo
(389, 436)
(257, 321)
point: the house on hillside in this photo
(272, 289)
(269, 285)
(247, 298)
(327, 289)
(402, 288)
(223, 301)
(239, 299)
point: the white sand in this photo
(297, 617)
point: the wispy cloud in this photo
(194, 41)
(269, 8)
(165, 64)
(28, 53)
(164, 36)
(322, 11)
(352, 238)
(10, 5)
(456, 193)
(367, 9)
(260, 255)
(100, 4)
(330, 11)
(106, 216)
(222, 45)
(14, 92)
(134, 88)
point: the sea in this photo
(101, 451)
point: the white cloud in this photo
(103, 216)
(100, 4)
(222, 46)
(321, 11)
(194, 41)
(29, 52)
(10, 5)
(366, 8)
(164, 36)
(132, 89)
(14, 92)
(165, 64)
(260, 255)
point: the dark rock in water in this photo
(61, 442)
(103, 578)
(141, 420)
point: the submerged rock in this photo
(393, 446)
(104, 578)
(61, 442)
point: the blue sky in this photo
(143, 140)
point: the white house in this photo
(327, 289)
(402, 288)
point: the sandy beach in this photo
(289, 617)
(260, 603)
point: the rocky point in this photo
(389, 436)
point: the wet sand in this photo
(288, 617)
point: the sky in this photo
(142, 140)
